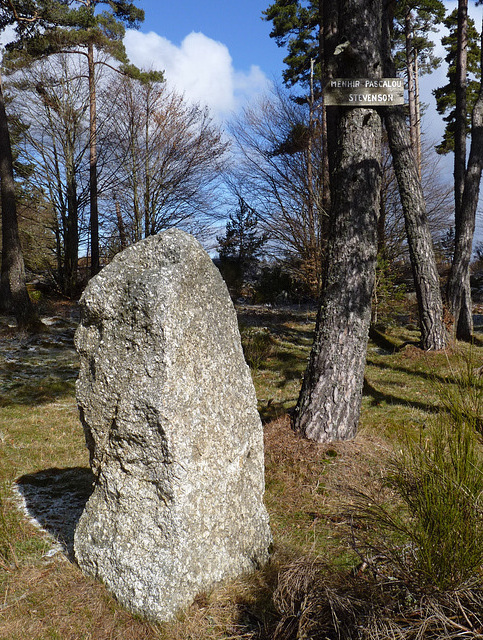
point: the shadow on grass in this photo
(46, 389)
(431, 376)
(379, 396)
(55, 499)
(290, 366)
(38, 368)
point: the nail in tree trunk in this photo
(13, 290)
(329, 404)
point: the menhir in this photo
(170, 418)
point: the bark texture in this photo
(460, 106)
(329, 404)
(459, 292)
(71, 257)
(426, 278)
(94, 211)
(13, 291)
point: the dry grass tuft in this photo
(239, 610)
(314, 602)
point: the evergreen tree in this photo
(296, 26)
(446, 96)
(467, 189)
(462, 101)
(414, 20)
(83, 29)
(291, 24)
(27, 17)
(241, 245)
(329, 403)
(242, 241)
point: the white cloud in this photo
(7, 36)
(200, 68)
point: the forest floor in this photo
(45, 478)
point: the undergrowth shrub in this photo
(257, 345)
(389, 296)
(420, 542)
(463, 400)
(431, 531)
(440, 483)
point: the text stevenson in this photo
(361, 92)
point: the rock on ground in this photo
(175, 440)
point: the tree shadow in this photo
(379, 396)
(55, 499)
(432, 376)
(39, 368)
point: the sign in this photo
(363, 92)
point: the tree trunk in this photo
(71, 233)
(324, 207)
(421, 251)
(94, 210)
(13, 291)
(329, 403)
(459, 289)
(459, 292)
(423, 261)
(460, 107)
(408, 36)
(120, 226)
(417, 103)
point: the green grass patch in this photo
(307, 485)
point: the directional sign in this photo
(364, 92)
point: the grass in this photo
(43, 596)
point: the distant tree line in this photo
(84, 172)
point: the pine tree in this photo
(445, 95)
(414, 20)
(292, 22)
(296, 26)
(241, 245)
(329, 403)
(467, 177)
(83, 30)
(242, 241)
(27, 17)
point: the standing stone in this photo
(175, 440)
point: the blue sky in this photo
(239, 25)
(217, 52)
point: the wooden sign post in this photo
(363, 92)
